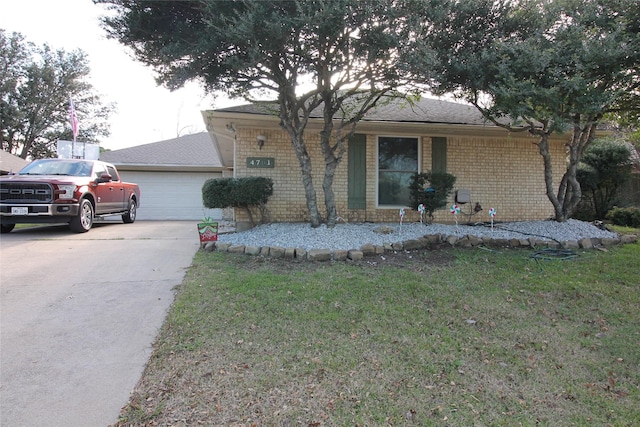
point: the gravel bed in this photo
(353, 236)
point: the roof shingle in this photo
(425, 110)
(197, 149)
(10, 163)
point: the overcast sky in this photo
(145, 112)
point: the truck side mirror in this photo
(105, 177)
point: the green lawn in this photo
(452, 337)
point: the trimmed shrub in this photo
(432, 190)
(247, 193)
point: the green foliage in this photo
(244, 47)
(628, 217)
(216, 193)
(543, 67)
(35, 86)
(605, 167)
(432, 190)
(244, 193)
(236, 192)
(546, 63)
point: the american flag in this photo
(73, 117)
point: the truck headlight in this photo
(66, 191)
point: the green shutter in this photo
(438, 154)
(357, 174)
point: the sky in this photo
(145, 112)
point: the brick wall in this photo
(503, 172)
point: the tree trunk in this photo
(315, 217)
(293, 118)
(332, 158)
(247, 208)
(569, 193)
(329, 195)
(543, 148)
(572, 191)
(297, 141)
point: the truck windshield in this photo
(57, 167)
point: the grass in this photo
(452, 337)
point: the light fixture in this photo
(261, 139)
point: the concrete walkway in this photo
(78, 316)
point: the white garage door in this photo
(172, 195)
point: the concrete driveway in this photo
(78, 316)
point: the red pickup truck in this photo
(69, 191)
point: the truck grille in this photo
(19, 192)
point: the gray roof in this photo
(198, 149)
(426, 110)
(10, 163)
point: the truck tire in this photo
(130, 216)
(6, 228)
(82, 222)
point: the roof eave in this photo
(224, 123)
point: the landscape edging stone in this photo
(468, 241)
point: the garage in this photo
(172, 195)
(171, 173)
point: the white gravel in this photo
(353, 236)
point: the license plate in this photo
(19, 211)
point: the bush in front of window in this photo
(432, 189)
(247, 193)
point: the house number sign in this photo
(260, 162)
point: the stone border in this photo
(468, 241)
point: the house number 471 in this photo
(260, 162)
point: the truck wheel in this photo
(6, 228)
(130, 216)
(84, 220)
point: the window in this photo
(114, 174)
(397, 162)
(98, 170)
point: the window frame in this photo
(418, 140)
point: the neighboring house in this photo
(10, 163)
(502, 170)
(171, 173)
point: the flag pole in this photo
(73, 119)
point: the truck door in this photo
(106, 192)
(119, 197)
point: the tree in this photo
(541, 67)
(349, 50)
(36, 85)
(605, 167)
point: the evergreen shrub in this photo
(246, 193)
(627, 217)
